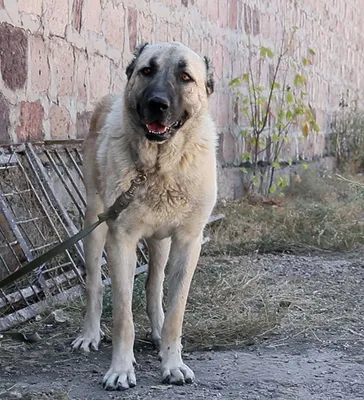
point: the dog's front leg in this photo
(185, 251)
(122, 260)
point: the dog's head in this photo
(168, 84)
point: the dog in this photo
(160, 124)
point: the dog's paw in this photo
(119, 378)
(88, 341)
(177, 373)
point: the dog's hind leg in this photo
(93, 246)
(158, 257)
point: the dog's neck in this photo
(153, 157)
(168, 156)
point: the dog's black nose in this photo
(159, 103)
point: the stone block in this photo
(161, 31)
(115, 25)
(31, 121)
(81, 78)
(4, 120)
(256, 21)
(30, 6)
(13, 56)
(39, 67)
(99, 77)
(145, 28)
(203, 7)
(62, 61)
(194, 42)
(247, 19)
(132, 27)
(223, 13)
(233, 14)
(213, 10)
(225, 106)
(229, 183)
(175, 32)
(218, 61)
(56, 16)
(77, 15)
(228, 148)
(93, 15)
(59, 118)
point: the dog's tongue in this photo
(156, 127)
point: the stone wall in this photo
(57, 57)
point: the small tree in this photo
(273, 112)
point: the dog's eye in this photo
(146, 71)
(185, 77)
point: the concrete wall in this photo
(57, 57)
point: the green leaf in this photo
(299, 111)
(235, 82)
(245, 133)
(270, 53)
(245, 77)
(299, 80)
(279, 125)
(275, 85)
(306, 61)
(315, 126)
(276, 165)
(245, 110)
(289, 97)
(246, 101)
(273, 188)
(312, 52)
(244, 170)
(304, 166)
(246, 156)
(289, 115)
(290, 161)
(283, 182)
(275, 137)
(263, 51)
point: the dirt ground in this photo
(316, 351)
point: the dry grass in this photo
(232, 302)
(320, 212)
(229, 305)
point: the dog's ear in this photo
(210, 83)
(130, 68)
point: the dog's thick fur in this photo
(170, 209)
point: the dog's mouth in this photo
(159, 133)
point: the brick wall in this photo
(57, 57)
